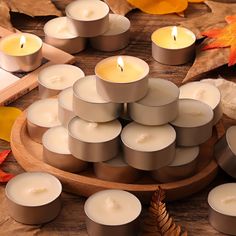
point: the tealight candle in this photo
(53, 79)
(183, 165)
(194, 122)
(222, 208)
(116, 37)
(88, 102)
(225, 151)
(20, 52)
(204, 92)
(65, 106)
(88, 18)
(160, 105)
(173, 45)
(117, 76)
(33, 197)
(148, 147)
(112, 212)
(42, 115)
(94, 142)
(58, 34)
(56, 150)
(116, 170)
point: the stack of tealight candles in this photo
(88, 20)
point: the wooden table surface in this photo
(191, 212)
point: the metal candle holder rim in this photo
(61, 104)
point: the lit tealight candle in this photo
(194, 122)
(88, 102)
(222, 208)
(112, 212)
(206, 93)
(58, 33)
(148, 147)
(183, 165)
(173, 45)
(160, 105)
(118, 75)
(65, 109)
(20, 52)
(42, 115)
(56, 150)
(53, 79)
(33, 197)
(94, 142)
(88, 18)
(116, 37)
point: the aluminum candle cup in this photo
(89, 105)
(59, 35)
(116, 170)
(122, 79)
(20, 52)
(112, 212)
(88, 18)
(65, 108)
(116, 37)
(194, 122)
(148, 147)
(225, 151)
(206, 93)
(222, 205)
(94, 142)
(42, 115)
(159, 106)
(56, 151)
(33, 197)
(173, 45)
(183, 166)
(53, 79)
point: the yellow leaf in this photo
(160, 6)
(8, 116)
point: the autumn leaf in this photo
(223, 37)
(4, 177)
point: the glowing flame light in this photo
(120, 63)
(22, 41)
(174, 32)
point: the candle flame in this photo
(22, 41)
(174, 32)
(120, 63)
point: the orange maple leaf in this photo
(224, 37)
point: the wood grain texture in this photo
(190, 212)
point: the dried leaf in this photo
(121, 7)
(5, 177)
(3, 155)
(5, 15)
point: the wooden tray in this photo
(29, 156)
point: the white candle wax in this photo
(59, 28)
(65, 99)
(160, 92)
(87, 10)
(112, 207)
(231, 138)
(56, 140)
(33, 189)
(193, 113)
(44, 113)
(184, 156)
(223, 199)
(118, 24)
(201, 91)
(148, 138)
(94, 132)
(86, 90)
(59, 76)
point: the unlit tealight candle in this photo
(112, 211)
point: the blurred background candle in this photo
(20, 52)
(118, 75)
(173, 45)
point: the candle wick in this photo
(174, 37)
(121, 68)
(22, 45)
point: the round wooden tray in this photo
(29, 156)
